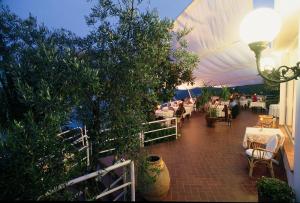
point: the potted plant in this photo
(225, 93)
(204, 98)
(274, 190)
(211, 117)
(153, 178)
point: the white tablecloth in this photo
(261, 136)
(164, 114)
(244, 102)
(220, 112)
(188, 110)
(225, 102)
(258, 104)
(274, 110)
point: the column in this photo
(282, 105)
(297, 143)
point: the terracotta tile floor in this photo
(208, 164)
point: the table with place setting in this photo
(165, 113)
(258, 104)
(244, 102)
(261, 135)
(274, 110)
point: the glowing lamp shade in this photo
(262, 24)
(267, 63)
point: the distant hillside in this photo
(246, 89)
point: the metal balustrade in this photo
(97, 175)
(80, 141)
(171, 123)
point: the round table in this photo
(274, 110)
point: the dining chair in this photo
(257, 154)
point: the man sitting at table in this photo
(170, 107)
(179, 114)
(254, 98)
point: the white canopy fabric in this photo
(224, 58)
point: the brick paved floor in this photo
(208, 164)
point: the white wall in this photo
(289, 40)
(297, 144)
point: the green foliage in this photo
(274, 190)
(225, 93)
(41, 81)
(146, 173)
(207, 92)
(212, 112)
(137, 67)
(112, 79)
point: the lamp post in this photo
(258, 29)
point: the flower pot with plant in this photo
(153, 178)
(274, 190)
(211, 117)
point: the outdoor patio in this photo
(209, 164)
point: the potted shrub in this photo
(211, 117)
(225, 93)
(274, 190)
(153, 178)
(204, 98)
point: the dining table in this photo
(274, 110)
(260, 104)
(261, 135)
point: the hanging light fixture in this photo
(258, 29)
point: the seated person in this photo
(225, 110)
(170, 107)
(254, 98)
(217, 102)
(179, 113)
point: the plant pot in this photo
(210, 121)
(262, 198)
(158, 189)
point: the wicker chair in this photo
(265, 121)
(257, 154)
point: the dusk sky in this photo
(69, 14)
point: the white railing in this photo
(82, 138)
(79, 140)
(97, 175)
(171, 123)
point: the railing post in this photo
(125, 181)
(142, 139)
(132, 177)
(176, 128)
(88, 146)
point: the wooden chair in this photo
(258, 154)
(265, 121)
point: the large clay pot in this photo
(159, 188)
(210, 121)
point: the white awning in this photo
(224, 58)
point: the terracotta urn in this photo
(155, 190)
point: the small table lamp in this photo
(261, 123)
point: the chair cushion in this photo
(267, 155)
(272, 143)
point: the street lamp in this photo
(258, 29)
